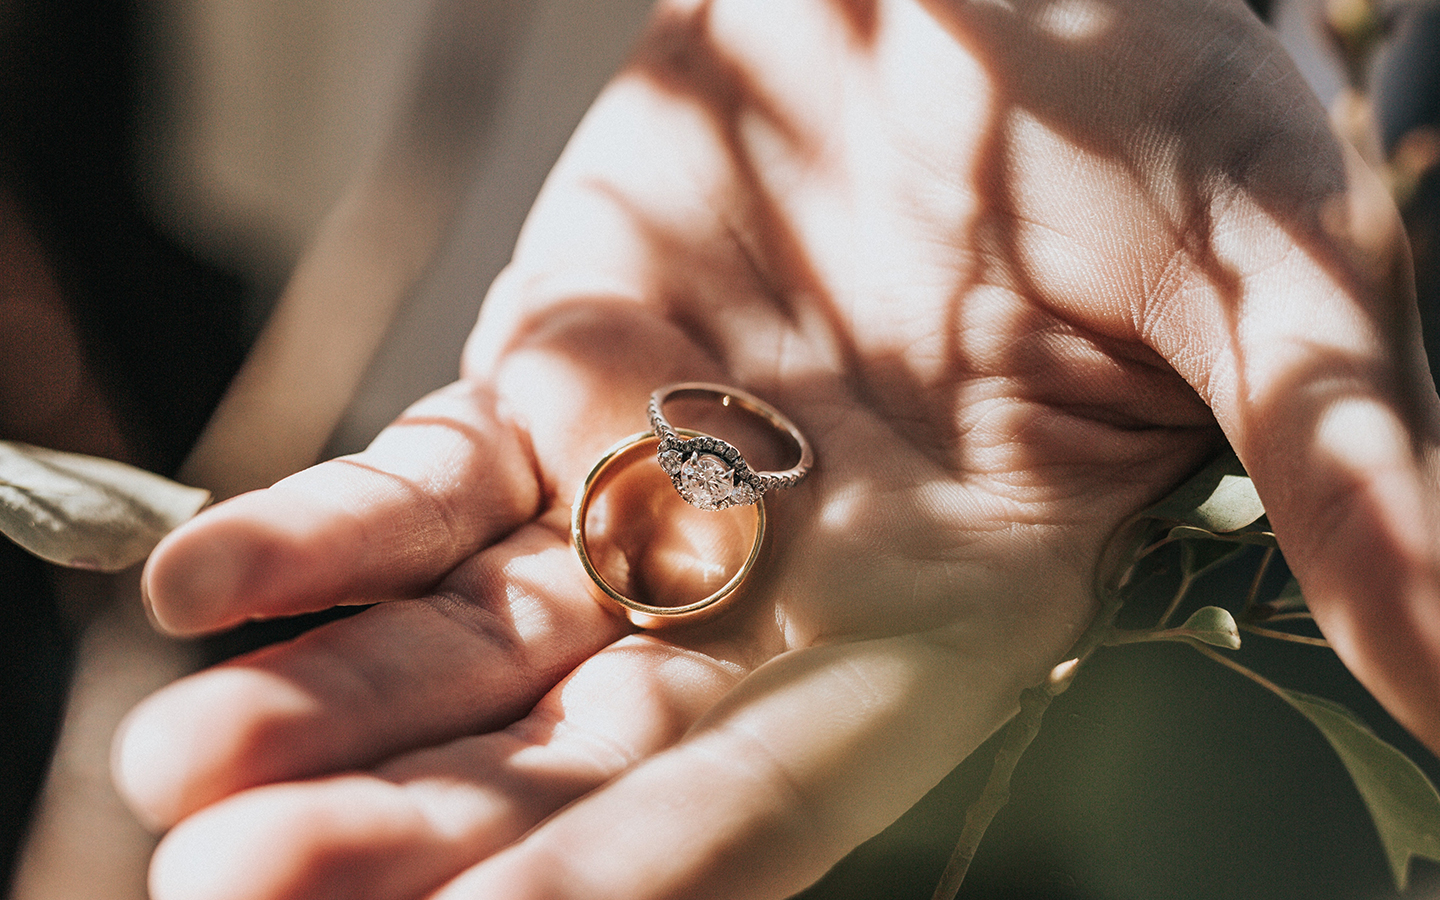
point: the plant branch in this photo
(1234, 666)
(1255, 582)
(1180, 593)
(1274, 634)
(1019, 734)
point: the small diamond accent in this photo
(743, 494)
(671, 460)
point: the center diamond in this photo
(706, 481)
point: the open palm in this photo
(1013, 268)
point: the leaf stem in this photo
(1260, 571)
(1231, 664)
(1181, 592)
(1019, 734)
(1122, 636)
(1153, 546)
(1284, 635)
(1289, 616)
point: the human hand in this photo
(1007, 265)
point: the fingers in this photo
(503, 629)
(812, 754)
(1313, 365)
(449, 477)
(420, 819)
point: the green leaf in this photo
(1212, 625)
(86, 512)
(1208, 625)
(1257, 532)
(1218, 499)
(1401, 800)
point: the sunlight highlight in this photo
(1076, 20)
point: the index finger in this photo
(450, 476)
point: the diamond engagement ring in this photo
(646, 615)
(710, 473)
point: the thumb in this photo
(1314, 367)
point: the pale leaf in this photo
(1401, 800)
(1214, 626)
(87, 512)
(1219, 499)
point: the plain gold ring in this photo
(645, 615)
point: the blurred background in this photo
(237, 236)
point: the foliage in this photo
(86, 512)
(1206, 522)
(1218, 510)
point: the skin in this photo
(1015, 268)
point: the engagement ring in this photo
(709, 472)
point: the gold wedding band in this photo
(645, 615)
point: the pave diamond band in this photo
(710, 473)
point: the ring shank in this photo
(645, 615)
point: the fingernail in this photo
(191, 586)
